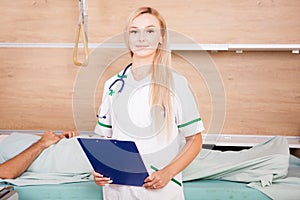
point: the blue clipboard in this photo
(116, 159)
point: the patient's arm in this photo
(17, 165)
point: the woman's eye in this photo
(150, 31)
(133, 31)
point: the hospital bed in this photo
(193, 190)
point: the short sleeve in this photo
(104, 122)
(187, 115)
(2, 137)
(1, 159)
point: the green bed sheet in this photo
(193, 190)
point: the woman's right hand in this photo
(100, 180)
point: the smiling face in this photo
(144, 35)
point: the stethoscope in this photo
(111, 91)
(119, 103)
(120, 79)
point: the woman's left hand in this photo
(69, 134)
(157, 180)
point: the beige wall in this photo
(262, 88)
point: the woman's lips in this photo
(142, 46)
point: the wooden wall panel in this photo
(262, 90)
(38, 21)
(205, 21)
(36, 88)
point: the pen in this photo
(173, 179)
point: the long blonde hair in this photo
(162, 79)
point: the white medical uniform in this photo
(127, 116)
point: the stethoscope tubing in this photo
(120, 90)
(121, 79)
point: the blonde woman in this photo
(153, 106)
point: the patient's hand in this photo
(48, 138)
(69, 134)
(100, 180)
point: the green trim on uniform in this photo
(189, 123)
(104, 125)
